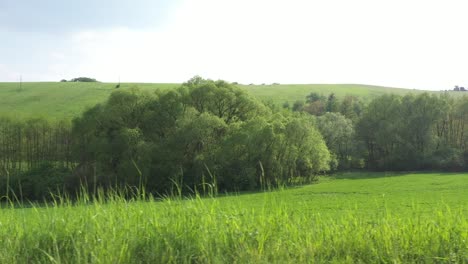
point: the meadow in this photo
(69, 99)
(346, 218)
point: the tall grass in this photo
(260, 228)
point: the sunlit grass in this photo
(354, 218)
(66, 100)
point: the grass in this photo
(293, 92)
(57, 100)
(66, 100)
(349, 218)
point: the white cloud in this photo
(414, 44)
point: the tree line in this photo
(211, 134)
(391, 132)
(35, 156)
(204, 134)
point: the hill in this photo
(58, 100)
(65, 99)
(293, 92)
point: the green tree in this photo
(332, 104)
(338, 132)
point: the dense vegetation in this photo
(411, 132)
(213, 133)
(355, 218)
(203, 132)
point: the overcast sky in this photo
(419, 44)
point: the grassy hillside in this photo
(292, 92)
(57, 100)
(352, 218)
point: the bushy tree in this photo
(414, 132)
(338, 132)
(203, 131)
(83, 79)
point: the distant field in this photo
(292, 92)
(58, 100)
(349, 218)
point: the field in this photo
(292, 92)
(347, 218)
(59, 100)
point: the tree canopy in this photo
(205, 129)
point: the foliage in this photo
(204, 131)
(83, 79)
(338, 132)
(26, 144)
(298, 106)
(415, 132)
(41, 182)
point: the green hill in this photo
(65, 99)
(57, 100)
(293, 92)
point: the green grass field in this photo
(57, 100)
(349, 218)
(65, 100)
(292, 92)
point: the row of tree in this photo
(415, 132)
(212, 134)
(80, 79)
(35, 157)
(25, 144)
(206, 133)
(412, 132)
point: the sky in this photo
(420, 44)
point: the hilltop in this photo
(69, 99)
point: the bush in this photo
(83, 79)
(36, 184)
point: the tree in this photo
(313, 97)
(298, 106)
(204, 129)
(378, 129)
(351, 107)
(407, 133)
(316, 108)
(332, 104)
(338, 132)
(221, 99)
(83, 79)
